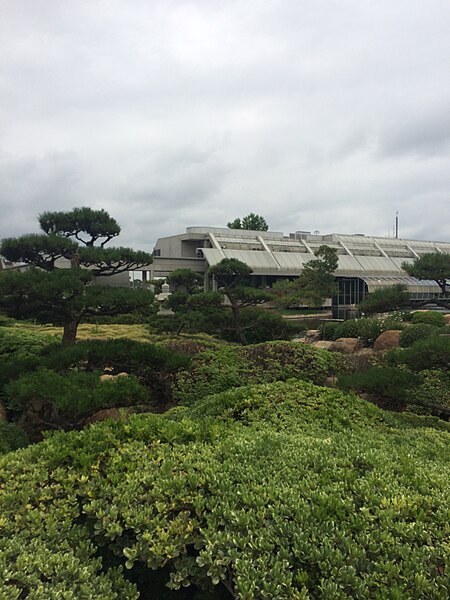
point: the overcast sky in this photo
(318, 114)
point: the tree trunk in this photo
(442, 284)
(70, 330)
(237, 324)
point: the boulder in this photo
(106, 377)
(330, 382)
(324, 344)
(387, 340)
(116, 414)
(346, 345)
(312, 335)
(447, 319)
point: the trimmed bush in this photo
(433, 396)
(234, 366)
(73, 394)
(18, 344)
(11, 437)
(384, 300)
(430, 353)
(328, 331)
(388, 382)
(431, 317)
(413, 333)
(312, 494)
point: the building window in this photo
(156, 252)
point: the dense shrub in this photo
(388, 382)
(431, 317)
(6, 321)
(313, 494)
(73, 394)
(365, 329)
(328, 331)
(234, 366)
(16, 343)
(11, 437)
(411, 334)
(385, 299)
(430, 353)
(153, 365)
(433, 395)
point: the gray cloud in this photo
(323, 115)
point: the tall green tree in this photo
(251, 221)
(315, 283)
(64, 260)
(434, 266)
(232, 277)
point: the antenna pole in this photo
(396, 225)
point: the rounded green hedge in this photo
(414, 333)
(282, 490)
(431, 317)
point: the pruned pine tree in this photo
(66, 292)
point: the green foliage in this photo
(78, 222)
(73, 394)
(5, 321)
(411, 334)
(433, 396)
(389, 382)
(11, 437)
(251, 221)
(434, 265)
(431, 317)
(385, 299)
(365, 329)
(315, 283)
(288, 491)
(18, 344)
(231, 276)
(37, 249)
(430, 353)
(230, 367)
(329, 331)
(67, 295)
(185, 280)
(51, 296)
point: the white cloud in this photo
(319, 115)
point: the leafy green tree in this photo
(251, 221)
(65, 294)
(315, 283)
(435, 266)
(232, 279)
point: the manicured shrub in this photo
(388, 382)
(311, 494)
(413, 333)
(349, 328)
(384, 300)
(431, 317)
(11, 437)
(73, 394)
(433, 395)
(430, 353)
(234, 366)
(328, 331)
(365, 329)
(16, 343)
(153, 365)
